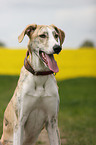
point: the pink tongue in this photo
(52, 63)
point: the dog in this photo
(35, 103)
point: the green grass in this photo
(77, 115)
(7, 87)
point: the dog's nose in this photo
(57, 48)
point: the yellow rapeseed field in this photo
(72, 63)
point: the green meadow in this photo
(77, 112)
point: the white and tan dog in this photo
(35, 102)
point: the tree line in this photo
(87, 44)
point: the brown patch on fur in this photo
(61, 34)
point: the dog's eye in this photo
(56, 36)
(42, 36)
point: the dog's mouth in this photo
(49, 60)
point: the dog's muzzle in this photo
(57, 49)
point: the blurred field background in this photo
(77, 88)
(72, 63)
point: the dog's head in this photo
(45, 41)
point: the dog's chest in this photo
(40, 93)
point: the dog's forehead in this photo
(45, 28)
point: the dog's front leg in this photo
(19, 126)
(19, 130)
(18, 136)
(53, 131)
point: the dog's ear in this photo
(28, 30)
(60, 32)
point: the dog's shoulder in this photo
(23, 74)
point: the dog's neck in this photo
(37, 63)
